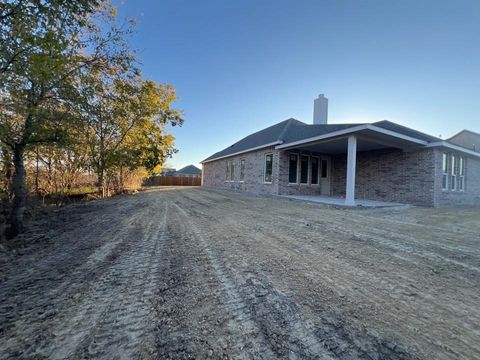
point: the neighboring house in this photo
(167, 172)
(381, 161)
(188, 171)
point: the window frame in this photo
(242, 170)
(461, 173)
(327, 171)
(232, 171)
(308, 170)
(445, 175)
(453, 172)
(311, 170)
(296, 169)
(265, 168)
(227, 170)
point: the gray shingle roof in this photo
(262, 137)
(388, 125)
(294, 130)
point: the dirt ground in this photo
(192, 273)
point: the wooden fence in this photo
(174, 181)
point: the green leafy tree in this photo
(45, 46)
(125, 119)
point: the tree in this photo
(44, 48)
(125, 118)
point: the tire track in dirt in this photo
(247, 303)
(118, 277)
(330, 337)
(396, 282)
(118, 325)
(277, 235)
(209, 275)
(400, 241)
(249, 339)
(41, 295)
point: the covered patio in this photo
(350, 142)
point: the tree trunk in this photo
(101, 182)
(19, 193)
(8, 173)
(37, 188)
(121, 179)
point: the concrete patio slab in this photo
(337, 201)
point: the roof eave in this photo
(350, 131)
(242, 151)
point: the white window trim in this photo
(265, 168)
(298, 163)
(318, 170)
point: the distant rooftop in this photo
(189, 170)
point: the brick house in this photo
(381, 161)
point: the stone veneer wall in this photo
(471, 195)
(214, 173)
(389, 175)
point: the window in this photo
(293, 169)
(314, 170)
(324, 174)
(268, 168)
(303, 169)
(232, 171)
(453, 168)
(242, 170)
(445, 171)
(461, 173)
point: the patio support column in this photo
(351, 164)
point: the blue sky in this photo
(240, 66)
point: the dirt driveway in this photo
(193, 273)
